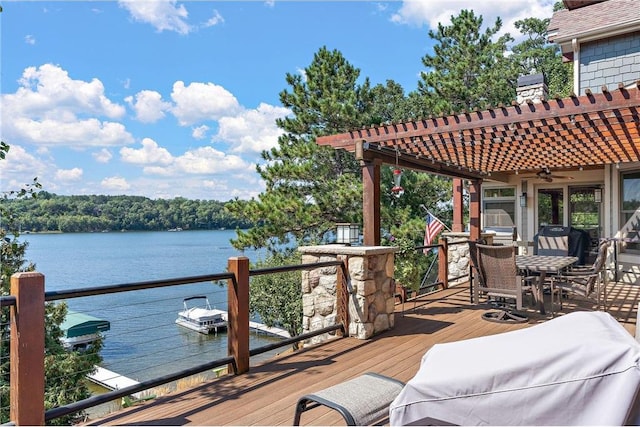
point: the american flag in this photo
(433, 227)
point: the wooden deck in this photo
(267, 395)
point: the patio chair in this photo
(582, 281)
(361, 401)
(499, 277)
(474, 276)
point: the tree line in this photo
(54, 213)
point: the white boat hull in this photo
(204, 320)
(203, 329)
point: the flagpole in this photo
(436, 218)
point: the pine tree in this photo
(468, 69)
(536, 55)
(310, 187)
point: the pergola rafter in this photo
(586, 131)
(573, 133)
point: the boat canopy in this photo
(79, 324)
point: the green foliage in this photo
(64, 371)
(277, 298)
(407, 234)
(50, 212)
(468, 69)
(309, 187)
(536, 55)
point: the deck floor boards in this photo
(267, 395)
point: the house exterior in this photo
(602, 39)
(542, 161)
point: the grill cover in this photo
(578, 369)
(579, 240)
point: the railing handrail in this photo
(231, 361)
(7, 301)
(150, 284)
(126, 287)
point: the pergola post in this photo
(474, 209)
(458, 206)
(371, 202)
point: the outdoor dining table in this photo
(543, 264)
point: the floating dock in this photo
(269, 330)
(112, 380)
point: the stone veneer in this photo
(370, 287)
(536, 93)
(458, 255)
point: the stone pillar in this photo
(458, 255)
(370, 285)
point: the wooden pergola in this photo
(574, 133)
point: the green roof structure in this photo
(79, 324)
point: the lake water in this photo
(144, 342)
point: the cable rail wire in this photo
(148, 384)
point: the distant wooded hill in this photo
(50, 212)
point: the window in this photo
(630, 212)
(499, 208)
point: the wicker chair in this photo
(500, 277)
(582, 281)
(474, 275)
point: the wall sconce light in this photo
(597, 195)
(347, 233)
(523, 200)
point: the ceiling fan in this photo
(546, 175)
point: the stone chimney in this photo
(531, 87)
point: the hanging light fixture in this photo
(397, 189)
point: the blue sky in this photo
(163, 98)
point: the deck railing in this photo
(27, 301)
(28, 298)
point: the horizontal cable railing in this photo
(200, 368)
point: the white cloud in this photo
(103, 156)
(115, 183)
(432, 12)
(207, 160)
(215, 19)
(148, 106)
(202, 161)
(50, 86)
(19, 161)
(161, 14)
(200, 132)
(252, 130)
(30, 39)
(74, 174)
(202, 101)
(150, 153)
(50, 108)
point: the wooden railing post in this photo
(27, 349)
(443, 262)
(238, 308)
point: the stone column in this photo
(369, 282)
(458, 255)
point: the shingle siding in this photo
(609, 62)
